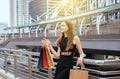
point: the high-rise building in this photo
(2, 27)
(13, 13)
(19, 12)
(37, 8)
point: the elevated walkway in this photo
(108, 42)
(1, 77)
(4, 75)
(25, 67)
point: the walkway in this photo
(1, 77)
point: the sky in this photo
(4, 11)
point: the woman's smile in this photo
(64, 27)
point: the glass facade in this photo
(19, 12)
(37, 8)
(22, 12)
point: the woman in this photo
(66, 43)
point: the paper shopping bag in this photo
(78, 74)
(50, 59)
(45, 59)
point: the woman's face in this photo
(64, 27)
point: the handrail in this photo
(85, 31)
(16, 63)
(25, 67)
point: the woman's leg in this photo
(64, 74)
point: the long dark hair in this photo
(70, 35)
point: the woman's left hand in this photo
(79, 61)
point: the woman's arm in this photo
(56, 54)
(79, 47)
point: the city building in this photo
(3, 32)
(19, 12)
(36, 9)
(2, 26)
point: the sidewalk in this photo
(6, 75)
(1, 77)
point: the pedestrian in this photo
(67, 43)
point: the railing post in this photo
(15, 66)
(5, 63)
(29, 67)
(49, 73)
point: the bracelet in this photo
(82, 56)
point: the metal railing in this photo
(85, 31)
(21, 65)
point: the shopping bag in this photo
(45, 58)
(50, 59)
(40, 61)
(78, 74)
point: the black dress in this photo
(65, 62)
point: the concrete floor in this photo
(1, 77)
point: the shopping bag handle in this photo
(82, 67)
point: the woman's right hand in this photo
(46, 42)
